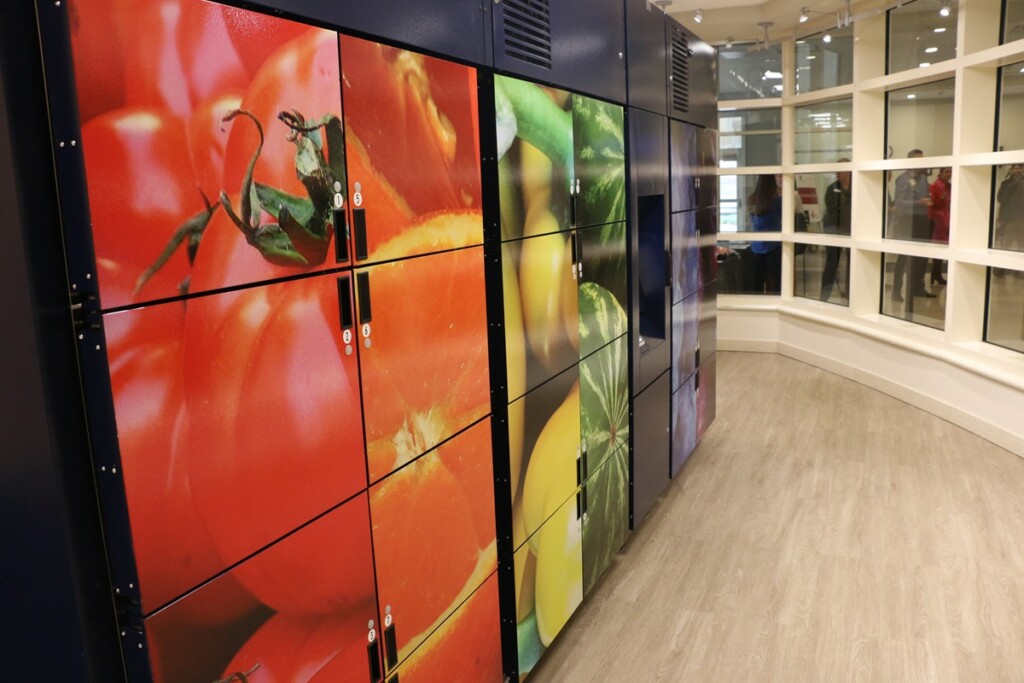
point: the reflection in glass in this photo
(921, 33)
(822, 273)
(734, 190)
(1005, 324)
(1011, 107)
(904, 294)
(918, 206)
(744, 74)
(826, 199)
(824, 131)
(1013, 20)
(741, 271)
(824, 62)
(921, 117)
(750, 137)
(1008, 226)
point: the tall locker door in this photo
(315, 612)
(421, 328)
(466, 647)
(412, 144)
(650, 457)
(433, 538)
(552, 41)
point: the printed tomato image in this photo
(141, 190)
(434, 534)
(98, 55)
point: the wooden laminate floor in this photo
(822, 531)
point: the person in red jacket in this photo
(938, 214)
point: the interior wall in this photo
(927, 126)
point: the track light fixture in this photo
(805, 14)
(728, 41)
(698, 16)
(827, 37)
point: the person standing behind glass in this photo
(766, 215)
(938, 214)
(910, 222)
(1010, 218)
(836, 222)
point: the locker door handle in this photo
(391, 646)
(340, 235)
(363, 294)
(696, 356)
(345, 302)
(373, 653)
(575, 251)
(668, 268)
(579, 505)
(584, 492)
(359, 229)
(572, 205)
(696, 381)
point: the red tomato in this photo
(255, 36)
(208, 139)
(98, 57)
(276, 435)
(302, 76)
(180, 53)
(416, 117)
(141, 189)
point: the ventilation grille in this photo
(680, 72)
(528, 31)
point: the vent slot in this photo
(681, 54)
(527, 25)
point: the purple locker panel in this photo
(296, 607)
(706, 382)
(685, 255)
(684, 423)
(708, 325)
(684, 165)
(685, 325)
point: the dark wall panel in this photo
(646, 56)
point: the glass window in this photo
(749, 267)
(750, 137)
(1013, 20)
(921, 33)
(733, 192)
(742, 73)
(826, 199)
(824, 131)
(824, 60)
(918, 204)
(1008, 211)
(1005, 324)
(1011, 108)
(920, 117)
(822, 273)
(905, 295)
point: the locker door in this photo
(433, 538)
(603, 293)
(706, 399)
(466, 647)
(650, 458)
(422, 332)
(412, 141)
(599, 152)
(685, 325)
(239, 420)
(604, 404)
(685, 255)
(684, 423)
(684, 165)
(316, 602)
(605, 505)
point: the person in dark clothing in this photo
(766, 215)
(836, 222)
(1010, 216)
(910, 222)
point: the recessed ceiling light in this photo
(931, 49)
(911, 96)
(941, 29)
(924, 64)
(827, 37)
(812, 56)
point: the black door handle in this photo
(391, 646)
(345, 302)
(363, 294)
(340, 235)
(359, 228)
(373, 653)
